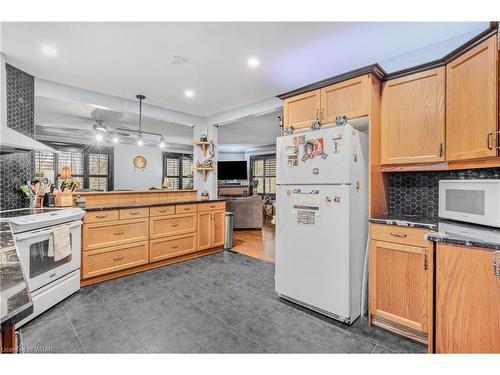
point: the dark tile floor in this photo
(222, 303)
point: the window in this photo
(92, 166)
(263, 170)
(74, 160)
(178, 169)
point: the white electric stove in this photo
(49, 281)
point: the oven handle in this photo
(39, 232)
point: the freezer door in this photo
(312, 254)
(316, 157)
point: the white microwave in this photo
(472, 201)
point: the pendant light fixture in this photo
(140, 132)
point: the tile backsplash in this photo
(417, 193)
(17, 168)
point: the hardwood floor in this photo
(255, 243)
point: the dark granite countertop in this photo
(151, 204)
(413, 221)
(463, 234)
(15, 298)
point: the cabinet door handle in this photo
(117, 259)
(441, 149)
(317, 113)
(118, 233)
(402, 235)
(495, 139)
(488, 141)
(426, 260)
(322, 114)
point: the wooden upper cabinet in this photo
(413, 118)
(471, 103)
(301, 110)
(348, 98)
(467, 300)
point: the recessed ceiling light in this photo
(189, 93)
(49, 50)
(99, 137)
(177, 60)
(253, 62)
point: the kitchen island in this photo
(126, 232)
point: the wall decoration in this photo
(140, 162)
(313, 148)
(299, 140)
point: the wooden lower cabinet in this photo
(114, 245)
(467, 300)
(210, 229)
(106, 234)
(161, 226)
(115, 258)
(401, 286)
(169, 247)
(204, 230)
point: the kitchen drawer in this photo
(100, 216)
(162, 210)
(170, 247)
(209, 206)
(111, 259)
(134, 213)
(186, 208)
(397, 234)
(99, 235)
(162, 226)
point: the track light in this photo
(140, 141)
(162, 143)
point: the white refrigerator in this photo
(322, 219)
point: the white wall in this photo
(127, 177)
(231, 157)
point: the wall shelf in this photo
(204, 146)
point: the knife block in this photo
(64, 199)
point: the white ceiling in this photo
(53, 116)
(123, 59)
(249, 132)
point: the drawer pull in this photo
(164, 210)
(213, 206)
(118, 259)
(187, 208)
(134, 213)
(118, 233)
(174, 247)
(174, 225)
(395, 234)
(101, 216)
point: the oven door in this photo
(40, 268)
(473, 201)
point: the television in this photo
(232, 170)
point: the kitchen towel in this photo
(59, 244)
